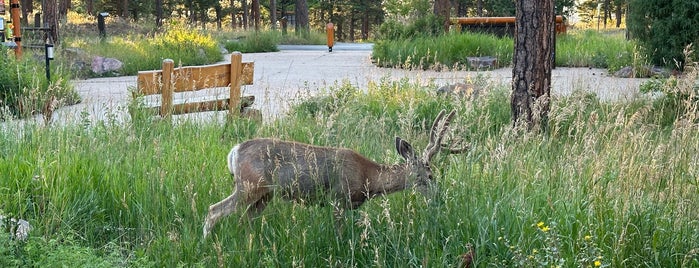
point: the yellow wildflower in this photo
(545, 229)
(588, 238)
(598, 263)
(540, 224)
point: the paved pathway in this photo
(301, 71)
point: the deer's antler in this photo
(437, 134)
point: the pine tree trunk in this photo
(159, 13)
(256, 14)
(273, 13)
(531, 74)
(51, 19)
(302, 25)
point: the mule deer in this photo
(262, 167)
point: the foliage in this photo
(424, 26)
(679, 97)
(255, 42)
(186, 46)
(606, 49)
(577, 48)
(24, 90)
(664, 28)
(454, 49)
(606, 185)
(62, 251)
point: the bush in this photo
(679, 98)
(665, 28)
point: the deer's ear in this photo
(404, 149)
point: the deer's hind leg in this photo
(221, 209)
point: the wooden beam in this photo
(167, 94)
(236, 71)
(490, 20)
(205, 106)
(194, 78)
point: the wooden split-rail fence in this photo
(171, 80)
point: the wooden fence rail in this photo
(171, 80)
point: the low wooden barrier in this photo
(171, 80)
(507, 22)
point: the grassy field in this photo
(578, 48)
(607, 186)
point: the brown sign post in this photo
(14, 11)
(330, 29)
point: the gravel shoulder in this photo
(299, 72)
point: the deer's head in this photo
(419, 167)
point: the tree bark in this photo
(246, 13)
(441, 10)
(619, 5)
(302, 25)
(531, 74)
(273, 14)
(158, 13)
(63, 7)
(90, 6)
(124, 8)
(256, 14)
(51, 19)
(26, 7)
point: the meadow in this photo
(610, 184)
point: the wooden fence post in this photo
(236, 73)
(166, 89)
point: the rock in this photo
(486, 62)
(19, 228)
(643, 71)
(659, 72)
(101, 65)
(626, 72)
(460, 89)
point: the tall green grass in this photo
(589, 48)
(186, 46)
(606, 185)
(575, 49)
(24, 88)
(449, 50)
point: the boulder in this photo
(643, 71)
(19, 228)
(101, 65)
(467, 90)
(626, 72)
(486, 62)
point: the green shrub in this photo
(664, 28)
(678, 98)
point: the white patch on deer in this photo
(232, 157)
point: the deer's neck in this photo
(389, 179)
